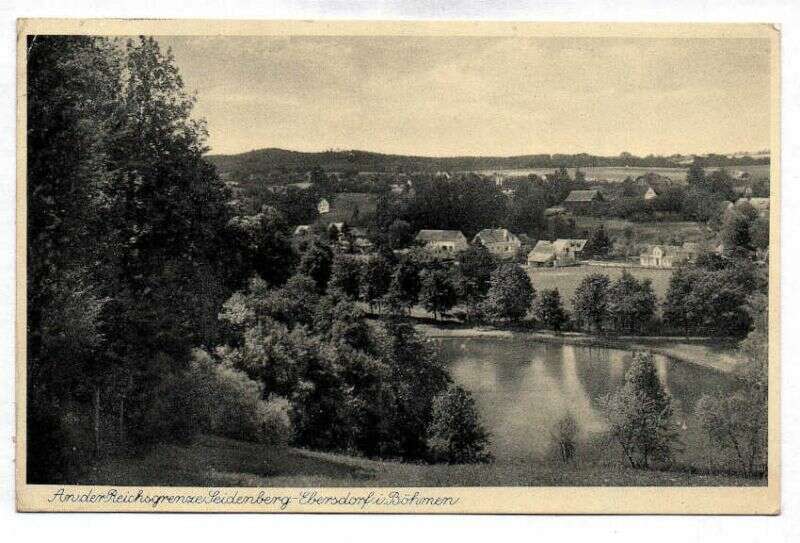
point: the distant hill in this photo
(263, 162)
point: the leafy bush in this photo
(233, 404)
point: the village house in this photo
(559, 253)
(668, 256)
(442, 243)
(499, 241)
(543, 254)
(582, 200)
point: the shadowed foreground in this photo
(212, 461)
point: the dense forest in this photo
(265, 161)
(157, 310)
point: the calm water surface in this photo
(522, 388)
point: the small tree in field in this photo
(640, 415)
(510, 294)
(438, 293)
(549, 310)
(455, 433)
(563, 437)
(590, 301)
(599, 244)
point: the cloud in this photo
(484, 95)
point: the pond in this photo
(522, 388)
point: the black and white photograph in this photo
(442, 258)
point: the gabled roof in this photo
(659, 187)
(495, 235)
(667, 250)
(429, 236)
(543, 251)
(574, 244)
(584, 196)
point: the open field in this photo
(219, 462)
(617, 174)
(646, 232)
(566, 280)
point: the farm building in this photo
(499, 241)
(543, 254)
(442, 243)
(667, 256)
(582, 200)
(561, 252)
(349, 207)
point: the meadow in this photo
(212, 461)
(566, 280)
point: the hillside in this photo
(264, 161)
(220, 462)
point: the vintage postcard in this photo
(398, 267)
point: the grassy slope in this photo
(218, 462)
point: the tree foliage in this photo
(640, 415)
(510, 294)
(455, 433)
(549, 310)
(590, 301)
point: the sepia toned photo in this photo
(398, 267)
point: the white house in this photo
(442, 243)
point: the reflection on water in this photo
(522, 388)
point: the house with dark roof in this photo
(499, 241)
(442, 243)
(582, 200)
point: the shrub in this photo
(233, 403)
(640, 415)
(563, 437)
(455, 434)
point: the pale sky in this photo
(444, 96)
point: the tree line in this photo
(138, 259)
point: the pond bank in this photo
(706, 352)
